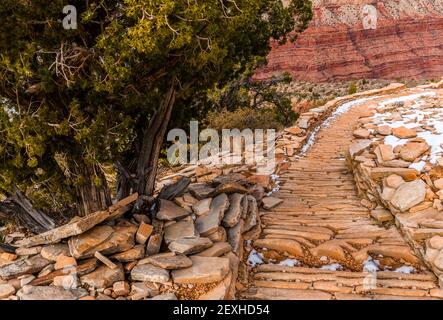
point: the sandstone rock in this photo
(409, 194)
(80, 225)
(398, 163)
(382, 215)
(169, 260)
(384, 130)
(233, 214)
(219, 235)
(6, 290)
(202, 207)
(361, 133)
(406, 174)
(228, 188)
(103, 277)
(105, 260)
(384, 153)
(388, 193)
(271, 202)
(23, 251)
(208, 223)
(180, 230)
(412, 150)
(190, 246)
(235, 236)
(50, 293)
(149, 272)
(154, 244)
(63, 262)
(203, 270)
(69, 281)
(21, 267)
(217, 250)
(438, 262)
(105, 239)
(200, 190)
(394, 181)
(404, 133)
(8, 256)
(143, 233)
(169, 211)
(133, 254)
(436, 242)
(121, 288)
(356, 148)
(142, 290)
(282, 245)
(51, 252)
(438, 183)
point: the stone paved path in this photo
(322, 222)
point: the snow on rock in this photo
(371, 265)
(405, 269)
(332, 267)
(255, 258)
(289, 263)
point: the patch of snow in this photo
(418, 166)
(405, 269)
(371, 265)
(255, 258)
(332, 267)
(289, 263)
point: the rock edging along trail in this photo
(321, 242)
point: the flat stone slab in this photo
(169, 260)
(80, 225)
(271, 202)
(106, 239)
(200, 190)
(149, 272)
(230, 187)
(203, 270)
(6, 290)
(235, 210)
(382, 215)
(51, 252)
(183, 229)
(165, 296)
(190, 246)
(21, 267)
(103, 277)
(217, 250)
(209, 222)
(133, 254)
(50, 293)
(169, 211)
(202, 207)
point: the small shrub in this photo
(353, 88)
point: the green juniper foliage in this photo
(73, 102)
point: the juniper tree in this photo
(75, 101)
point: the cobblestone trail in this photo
(323, 223)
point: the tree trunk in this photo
(93, 193)
(153, 137)
(17, 207)
(140, 175)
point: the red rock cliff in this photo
(340, 44)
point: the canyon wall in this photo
(405, 41)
